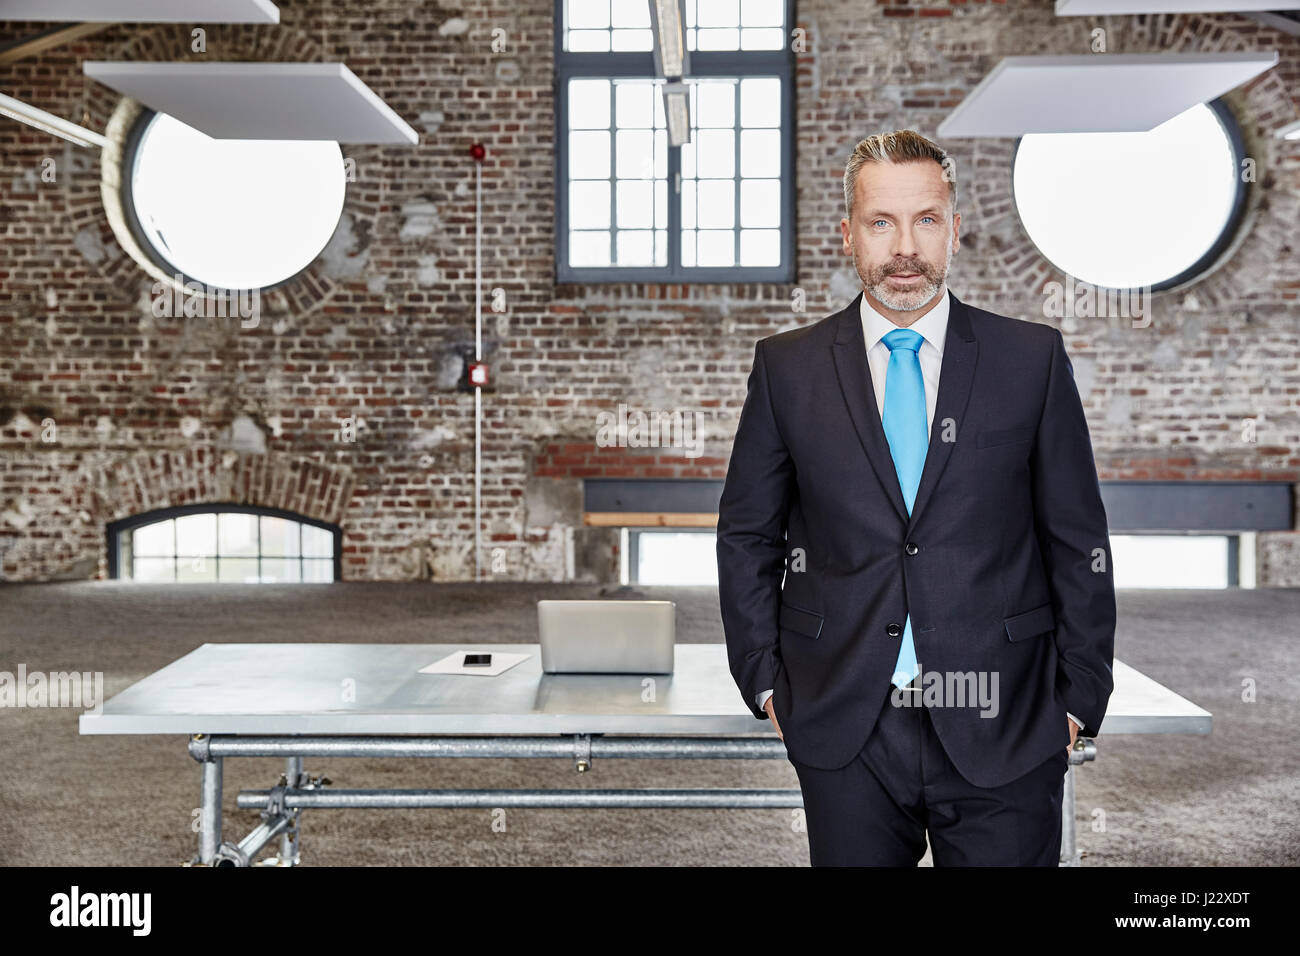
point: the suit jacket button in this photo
(894, 630)
(911, 548)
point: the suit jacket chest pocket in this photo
(993, 437)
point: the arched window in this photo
(223, 543)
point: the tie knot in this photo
(904, 339)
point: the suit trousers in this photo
(877, 809)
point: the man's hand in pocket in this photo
(771, 713)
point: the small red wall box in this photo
(478, 373)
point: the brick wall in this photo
(367, 344)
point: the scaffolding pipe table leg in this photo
(281, 806)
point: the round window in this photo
(232, 213)
(1134, 210)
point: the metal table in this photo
(366, 700)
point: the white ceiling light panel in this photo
(260, 100)
(1097, 93)
(1082, 8)
(141, 11)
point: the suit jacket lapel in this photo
(956, 375)
(850, 354)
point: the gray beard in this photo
(914, 299)
(905, 301)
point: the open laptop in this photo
(607, 637)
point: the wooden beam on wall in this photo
(48, 40)
(650, 519)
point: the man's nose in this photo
(905, 245)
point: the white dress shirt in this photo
(934, 327)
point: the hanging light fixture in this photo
(671, 58)
(677, 112)
(673, 63)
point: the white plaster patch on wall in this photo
(90, 245)
(1165, 356)
(419, 219)
(450, 365)
(243, 435)
(1119, 411)
(427, 271)
(432, 437)
(1223, 358)
(18, 513)
(343, 256)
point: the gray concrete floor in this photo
(1231, 798)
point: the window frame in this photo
(1233, 557)
(633, 550)
(115, 529)
(139, 126)
(1228, 236)
(741, 64)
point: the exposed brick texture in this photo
(367, 343)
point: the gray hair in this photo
(900, 146)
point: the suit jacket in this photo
(1004, 563)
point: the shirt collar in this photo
(933, 326)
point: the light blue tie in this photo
(909, 437)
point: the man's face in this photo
(902, 234)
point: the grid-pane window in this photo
(735, 24)
(719, 208)
(225, 546)
(731, 185)
(618, 173)
(605, 26)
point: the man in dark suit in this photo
(914, 565)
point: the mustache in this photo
(918, 269)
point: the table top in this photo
(376, 689)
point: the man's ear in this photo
(846, 232)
